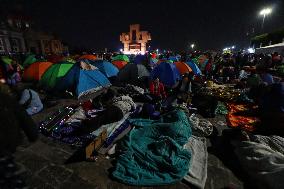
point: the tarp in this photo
(107, 68)
(183, 67)
(88, 57)
(29, 60)
(194, 68)
(167, 73)
(153, 152)
(121, 57)
(50, 77)
(132, 72)
(119, 63)
(36, 70)
(85, 83)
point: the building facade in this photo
(17, 36)
(11, 42)
(135, 41)
(43, 43)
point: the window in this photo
(19, 24)
(15, 45)
(1, 45)
(134, 35)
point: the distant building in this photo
(135, 41)
(11, 42)
(269, 42)
(17, 36)
(43, 43)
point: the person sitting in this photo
(31, 102)
(157, 89)
(183, 89)
(13, 76)
(13, 119)
(116, 107)
(266, 77)
(270, 99)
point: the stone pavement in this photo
(43, 163)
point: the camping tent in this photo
(29, 60)
(120, 57)
(167, 73)
(88, 57)
(85, 83)
(50, 77)
(132, 72)
(36, 70)
(107, 68)
(119, 63)
(173, 58)
(182, 67)
(7, 63)
(194, 68)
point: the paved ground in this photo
(44, 164)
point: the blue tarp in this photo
(167, 73)
(107, 68)
(82, 81)
(194, 68)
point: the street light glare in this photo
(265, 11)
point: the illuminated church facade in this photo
(135, 41)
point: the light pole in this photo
(263, 13)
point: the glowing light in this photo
(120, 50)
(265, 11)
(251, 50)
(233, 47)
(192, 45)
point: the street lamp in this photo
(192, 45)
(263, 13)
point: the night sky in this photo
(211, 24)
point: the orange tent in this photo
(88, 57)
(119, 64)
(36, 70)
(182, 67)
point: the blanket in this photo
(263, 160)
(200, 127)
(153, 152)
(197, 174)
(235, 119)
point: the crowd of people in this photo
(258, 74)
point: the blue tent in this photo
(86, 84)
(194, 68)
(167, 73)
(107, 68)
(174, 58)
